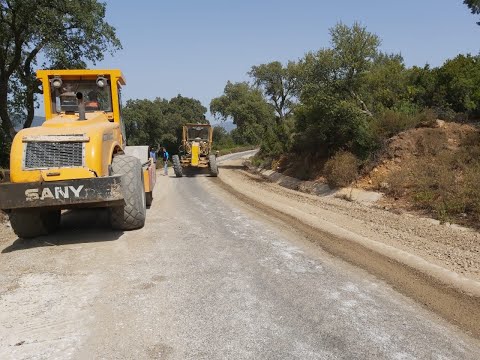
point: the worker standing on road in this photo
(165, 157)
(153, 154)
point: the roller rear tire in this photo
(131, 215)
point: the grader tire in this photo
(177, 166)
(30, 223)
(212, 163)
(131, 215)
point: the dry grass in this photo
(341, 169)
(441, 180)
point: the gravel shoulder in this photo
(452, 247)
(444, 257)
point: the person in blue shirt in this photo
(165, 157)
(153, 154)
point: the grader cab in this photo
(196, 150)
(77, 158)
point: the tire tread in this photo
(132, 214)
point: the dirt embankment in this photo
(432, 170)
(405, 148)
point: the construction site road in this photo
(208, 277)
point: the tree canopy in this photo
(63, 33)
(334, 113)
(458, 79)
(474, 6)
(279, 84)
(247, 108)
(349, 96)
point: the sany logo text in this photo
(58, 192)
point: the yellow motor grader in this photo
(77, 158)
(196, 150)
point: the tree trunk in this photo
(7, 125)
(30, 106)
(30, 83)
(365, 109)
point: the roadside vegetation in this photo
(331, 114)
(229, 142)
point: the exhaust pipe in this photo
(81, 107)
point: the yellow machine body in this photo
(196, 150)
(77, 158)
(195, 153)
(100, 133)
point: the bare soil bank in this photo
(431, 171)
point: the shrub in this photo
(437, 188)
(341, 169)
(330, 125)
(398, 181)
(445, 113)
(277, 138)
(444, 184)
(392, 122)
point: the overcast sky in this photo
(192, 47)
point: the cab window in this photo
(67, 96)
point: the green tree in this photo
(385, 85)
(334, 113)
(474, 6)
(341, 69)
(145, 121)
(189, 109)
(354, 49)
(65, 33)
(458, 80)
(248, 110)
(422, 87)
(330, 124)
(221, 138)
(219, 134)
(279, 84)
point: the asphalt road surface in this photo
(207, 278)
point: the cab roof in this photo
(194, 125)
(115, 74)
